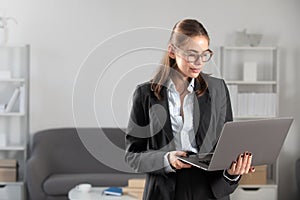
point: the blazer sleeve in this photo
(138, 155)
(221, 186)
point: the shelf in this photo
(250, 48)
(11, 114)
(13, 45)
(270, 184)
(12, 148)
(17, 80)
(14, 126)
(251, 82)
(20, 183)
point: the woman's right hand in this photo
(175, 162)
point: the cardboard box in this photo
(135, 188)
(259, 177)
(8, 170)
(136, 183)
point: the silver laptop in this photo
(263, 138)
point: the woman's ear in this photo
(171, 51)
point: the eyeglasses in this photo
(193, 57)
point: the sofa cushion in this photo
(61, 184)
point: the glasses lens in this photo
(206, 57)
(192, 57)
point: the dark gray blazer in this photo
(149, 137)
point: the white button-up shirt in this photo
(183, 130)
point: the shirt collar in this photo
(171, 86)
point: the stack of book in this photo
(252, 103)
(135, 188)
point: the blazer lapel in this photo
(196, 112)
(201, 115)
(163, 103)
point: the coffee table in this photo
(96, 193)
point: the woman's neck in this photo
(181, 83)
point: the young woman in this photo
(182, 110)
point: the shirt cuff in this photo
(230, 177)
(167, 165)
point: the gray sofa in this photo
(59, 161)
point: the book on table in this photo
(115, 191)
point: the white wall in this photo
(62, 33)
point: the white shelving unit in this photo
(255, 99)
(14, 123)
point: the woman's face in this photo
(197, 45)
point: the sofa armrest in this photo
(37, 170)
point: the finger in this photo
(180, 153)
(232, 168)
(183, 165)
(179, 165)
(239, 164)
(244, 163)
(252, 169)
(249, 161)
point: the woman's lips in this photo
(195, 70)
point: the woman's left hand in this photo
(242, 165)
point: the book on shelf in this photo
(2, 108)
(12, 100)
(256, 104)
(115, 191)
(22, 99)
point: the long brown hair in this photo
(181, 32)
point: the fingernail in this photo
(246, 154)
(234, 162)
(242, 155)
(250, 154)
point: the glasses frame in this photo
(198, 55)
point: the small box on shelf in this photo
(250, 71)
(2, 140)
(259, 177)
(8, 170)
(5, 74)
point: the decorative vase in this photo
(4, 29)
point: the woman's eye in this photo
(192, 55)
(206, 55)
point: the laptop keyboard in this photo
(204, 161)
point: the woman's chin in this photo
(194, 75)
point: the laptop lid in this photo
(263, 138)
